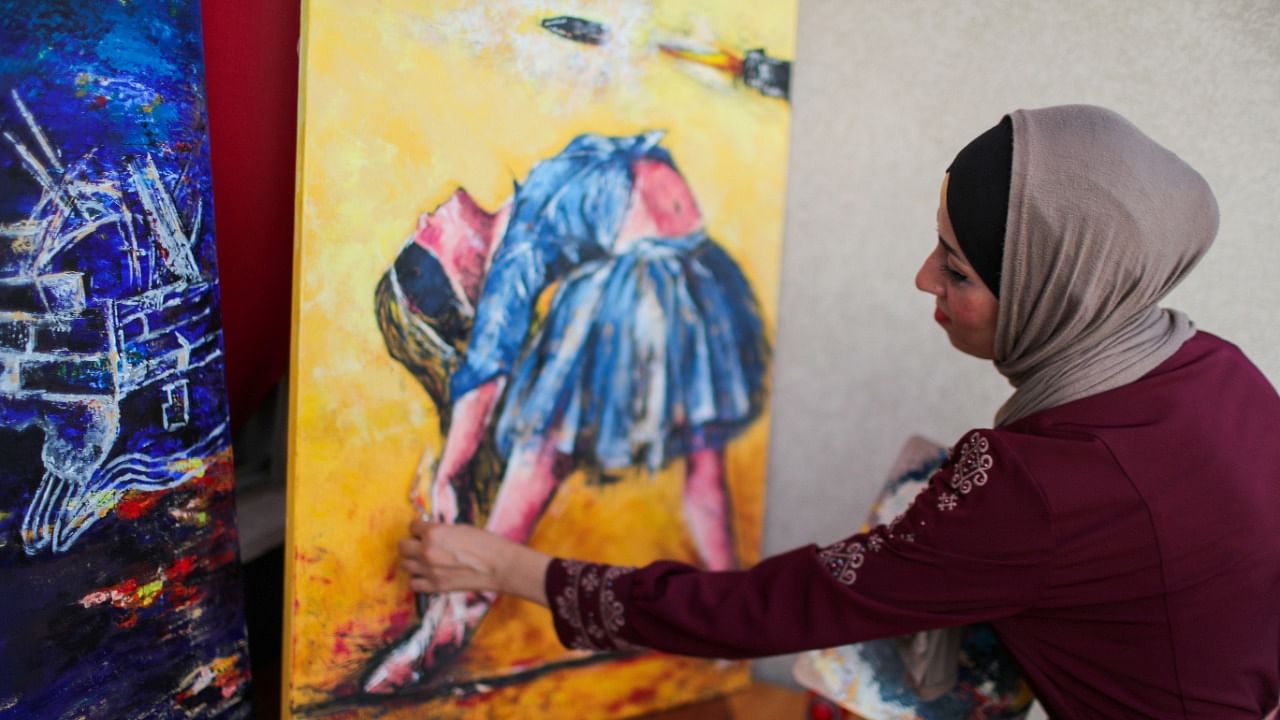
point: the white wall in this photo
(885, 93)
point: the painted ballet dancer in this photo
(652, 350)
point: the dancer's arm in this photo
(466, 431)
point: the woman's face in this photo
(966, 308)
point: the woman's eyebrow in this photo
(951, 251)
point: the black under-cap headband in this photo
(978, 199)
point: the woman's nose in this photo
(926, 280)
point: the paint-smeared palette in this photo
(118, 549)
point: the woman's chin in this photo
(967, 347)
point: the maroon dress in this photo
(1126, 548)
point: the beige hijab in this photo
(1103, 222)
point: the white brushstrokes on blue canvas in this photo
(74, 395)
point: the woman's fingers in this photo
(445, 557)
(432, 542)
(419, 528)
(430, 584)
(435, 578)
(413, 567)
(427, 554)
(410, 547)
(428, 577)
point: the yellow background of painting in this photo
(402, 103)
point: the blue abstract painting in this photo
(119, 559)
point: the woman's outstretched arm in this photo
(975, 546)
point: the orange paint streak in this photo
(138, 503)
(218, 476)
(223, 673)
(723, 60)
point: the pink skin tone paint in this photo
(464, 237)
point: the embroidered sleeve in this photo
(973, 546)
(967, 468)
(585, 603)
(976, 520)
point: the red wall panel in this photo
(251, 69)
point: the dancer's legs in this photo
(707, 509)
(532, 475)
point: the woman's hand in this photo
(450, 558)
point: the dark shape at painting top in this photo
(576, 29)
(767, 75)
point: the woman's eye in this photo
(956, 276)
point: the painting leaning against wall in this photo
(118, 548)
(536, 279)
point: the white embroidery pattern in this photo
(590, 584)
(975, 461)
(591, 581)
(893, 528)
(595, 622)
(567, 606)
(947, 501)
(612, 612)
(843, 560)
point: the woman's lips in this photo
(942, 319)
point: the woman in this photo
(1117, 526)
(651, 350)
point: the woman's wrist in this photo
(522, 572)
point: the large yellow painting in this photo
(536, 280)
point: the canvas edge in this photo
(291, 485)
(788, 130)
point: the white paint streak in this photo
(162, 215)
(37, 132)
(508, 32)
(80, 430)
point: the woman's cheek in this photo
(961, 312)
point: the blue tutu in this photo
(643, 356)
(649, 350)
